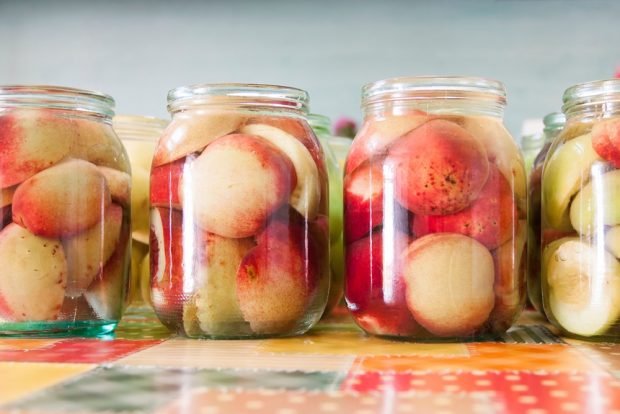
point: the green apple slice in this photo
(563, 174)
(597, 204)
(583, 284)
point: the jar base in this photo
(58, 329)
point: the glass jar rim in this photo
(554, 121)
(238, 94)
(428, 87)
(319, 121)
(57, 97)
(139, 126)
(591, 93)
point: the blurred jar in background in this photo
(554, 122)
(320, 125)
(340, 147)
(531, 145)
(139, 135)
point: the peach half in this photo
(378, 134)
(187, 134)
(449, 279)
(62, 200)
(439, 168)
(164, 184)
(275, 280)
(490, 219)
(306, 196)
(236, 183)
(31, 141)
(34, 275)
(606, 140)
(217, 306)
(88, 251)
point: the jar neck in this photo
(271, 99)
(435, 95)
(320, 124)
(588, 102)
(62, 100)
(138, 127)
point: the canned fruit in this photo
(376, 137)
(62, 200)
(34, 275)
(501, 150)
(31, 141)
(449, 280)
(232, 204)
(363, 200)
(189, 134)
(564, 172)
(378, 302)
(217, 306)
(107, 294)
(307, 192)
(164, 184)
(88, 251)
(489, 219)
(583, 286)
(120, 185)
(612, 241)
(439, 168)
(167, 265)
(276, 279)
(140, 205)
(606, 140)
(597, 203)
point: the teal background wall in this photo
(138, 50)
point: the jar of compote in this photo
(580, 217)
(320, 124)
(553, 124)
(239, 214)
(65, 187)
(139, 135)
(434, 211)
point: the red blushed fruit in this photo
(297, 128)
(275, 280)
(439, 168)
(376, 135)
(374, 289)
(490, 219)
(32, 140)
(165, 184)
(363, 201)
(166, 256)
(606, 140)
(550, 235)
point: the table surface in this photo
(335, 368)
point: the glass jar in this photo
(139, 135)
(239, 227)
(580, 221)
(340, 147)
(554, 122)
(320, 125)
(66, 188)
(434, 211)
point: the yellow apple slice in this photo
(597, 204)
(583, 286)
(564, 172)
